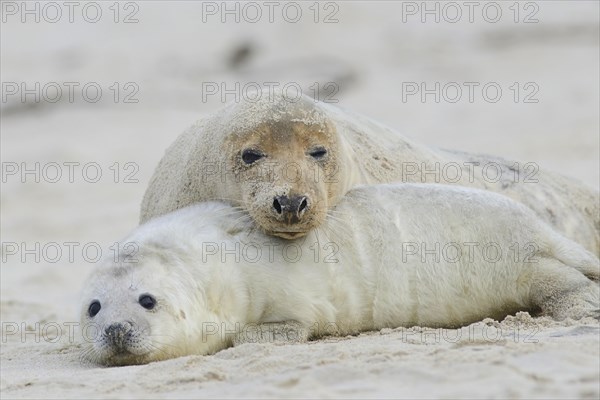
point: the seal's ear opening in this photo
(94, 308)
(147, 301)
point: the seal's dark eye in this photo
(147, 301)
(251, 156)
(94, 308)
(318, 153)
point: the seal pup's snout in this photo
(119, 334)
(290, 209)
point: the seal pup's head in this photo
(148, 306)
(285, 156)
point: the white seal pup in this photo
(388, 256)
(288, 161)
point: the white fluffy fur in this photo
(206, 296)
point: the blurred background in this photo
(159, 66)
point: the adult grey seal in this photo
(288, 161)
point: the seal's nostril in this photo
(303, 205)
(119, 334)
(277, 206)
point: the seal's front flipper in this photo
(272, 332)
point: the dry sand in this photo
(370, 52)
(518, 358)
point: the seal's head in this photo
(286, 164)
(140, 310)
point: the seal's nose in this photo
(291, 209)
(118, 334)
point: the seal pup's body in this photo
(387, 256)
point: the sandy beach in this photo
(74, 170)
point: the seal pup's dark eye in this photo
(250, 156)
(94, 308)
(147, 301)
(318, 153)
